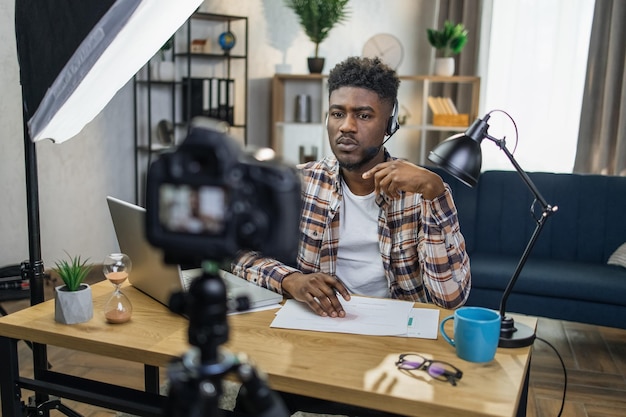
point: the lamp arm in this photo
(502, 145)
(547, 210)
(520, 265)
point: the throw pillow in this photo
(618, 257)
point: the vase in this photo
(444, 66)
(71, 307)
(163, 71)
(282, 68)
(316, 65)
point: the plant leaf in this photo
(450, 40)
(318, 17)
(73, 273)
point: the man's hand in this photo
(318, 291)
(391, 177)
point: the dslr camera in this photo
(209, 199)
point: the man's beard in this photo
(370, 154)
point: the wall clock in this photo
(385, 46)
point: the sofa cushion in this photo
(551, 278)
(618, 257)
(495, 215)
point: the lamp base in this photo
(515, 335)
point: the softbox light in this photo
(76, 54)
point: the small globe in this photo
(227, 41)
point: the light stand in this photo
(63, 90)
(460, 155)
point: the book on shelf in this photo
(226, 93)
(210, 97)
(445, 112)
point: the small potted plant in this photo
(164, 69)
(73, 301)
(448, 42)
(317, 18)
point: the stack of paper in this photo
(364, 315)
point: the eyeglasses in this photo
(443, 371)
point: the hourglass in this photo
(116, 268)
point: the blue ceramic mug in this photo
(476, 333)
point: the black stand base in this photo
(515, 335)
(52, 404)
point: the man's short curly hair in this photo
(369, 73)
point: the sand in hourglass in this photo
(117, 277)
(120, 314)
(117, 316)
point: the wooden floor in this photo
(595, 359)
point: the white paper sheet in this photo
(423, 323)
(364, 315)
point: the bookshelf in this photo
(201, 78)
(420, 129)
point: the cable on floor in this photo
(564, 373)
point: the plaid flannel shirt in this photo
(422, 248)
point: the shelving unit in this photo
(417, 135)
(173, 99)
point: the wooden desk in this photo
(353, 369)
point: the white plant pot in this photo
(444, 66)
(283, 68)
(71, 307)
(163, 71)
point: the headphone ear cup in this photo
(392, 124)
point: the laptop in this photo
(153, 277)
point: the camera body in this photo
(208, 199)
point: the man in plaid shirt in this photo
(371, 224)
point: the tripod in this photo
(196, 378)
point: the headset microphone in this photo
(373, 150)
(392, 127)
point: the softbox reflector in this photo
(127, 35)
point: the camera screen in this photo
(193, 210)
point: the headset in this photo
(392, 124)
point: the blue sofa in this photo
(567, 276)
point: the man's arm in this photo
(441, 247)
(260, 270)
(444, 260)
(317, 290)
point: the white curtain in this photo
(535, 70)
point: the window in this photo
(535, 71)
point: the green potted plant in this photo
(448, 41)
(73, 301)
(317, 18)
(164, 69)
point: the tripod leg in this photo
(67, 411)
(55, 404)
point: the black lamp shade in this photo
(461, 156)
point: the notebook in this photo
(152, 276)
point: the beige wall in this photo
(76, 176)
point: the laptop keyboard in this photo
(189, 275)
(187, 278)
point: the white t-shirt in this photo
(359, 264)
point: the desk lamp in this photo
(460, 155)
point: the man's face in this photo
(357, 119)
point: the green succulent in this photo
(74, 272)
(166, 47)
(318, 17)
(450, 40)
